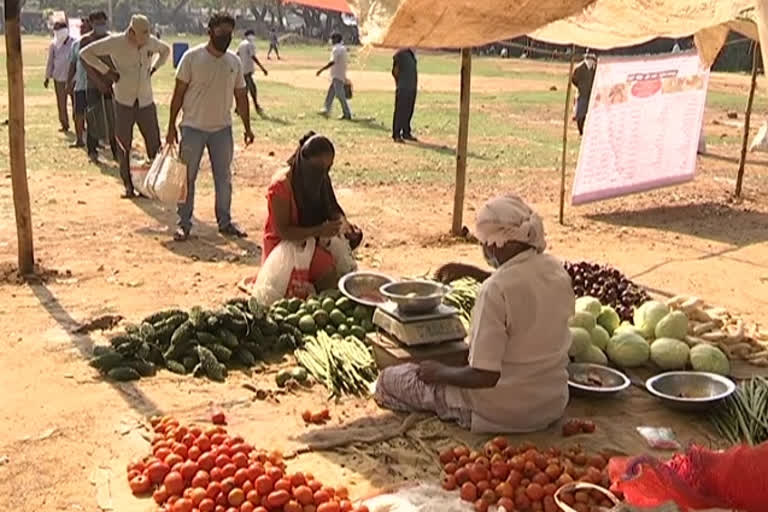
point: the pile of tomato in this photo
(192, 469)
(523, 478)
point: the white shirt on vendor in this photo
(339, 57)
(520, 329)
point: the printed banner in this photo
(643, 126)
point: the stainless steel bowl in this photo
(690, 391)
(363, 287)
(413, 297)
(579, 375)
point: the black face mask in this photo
(222, 42)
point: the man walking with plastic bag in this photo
(208, 78)
(136, 56)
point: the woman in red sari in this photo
(302, 205)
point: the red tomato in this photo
(160, 495)
(216, 474)
(303, 495)
(201, 479)
(203, 442)
(449, 483)
(278, 498)
(157, 471)
(255, 470)
(162, 452)
(247, 486)
(133, 474)
(193, 453)
(329, 506)
(173, 459)
(292, 506)
(236, 497)
(213, 491)
(229, 470)
(321, 496)
(188, 440)
(206, 461)
(298, 479)
(228, 484)
(180, 450)
(183, 505)
(207, 505)
(174, 483)
(264, 485)
(197, 496)
(469, 492)
(507, 504)
(247, 506)
(253, 496)
(275, 474)
(362, 508)
(481, 506)
(461, 475)
(314, 485)
(241, 476)
(240, 459)
(217, 438)
(222, 460)
(188, 470)
(218, 418)
(283, 485)
(345, 506)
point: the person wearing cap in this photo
(247, 53)
(516, 379)
(583, 78)
(57, 69)
(136, 56)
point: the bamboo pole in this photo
(568, 89)
(461, 150)
(21, 203)
(747, 117)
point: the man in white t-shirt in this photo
(208, 78)
(338, 67)
(247, 53)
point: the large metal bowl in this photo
(413, 297)
(690, 391)
(363, 287)
(612, 380)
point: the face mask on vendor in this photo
(490, 257)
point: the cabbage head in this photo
(600, 337)
(627, 327)
(628, 350)
(608, 319)
(589, 305)
(583, 320)
(592, 355)
(674, 325)
(669, 354)
(580, 341)
(708, 358)
(648, 315)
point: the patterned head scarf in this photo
(508, 219)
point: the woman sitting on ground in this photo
(302, 205)
(516, 379)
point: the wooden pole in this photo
(16, 142)
(566, 116)
(461, 151)
(747, 116)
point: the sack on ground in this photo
(285, 272)
(167, 178)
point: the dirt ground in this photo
(68, 435)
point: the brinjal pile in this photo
(608, 285)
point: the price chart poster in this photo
(643, 127)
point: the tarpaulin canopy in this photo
(329, 5)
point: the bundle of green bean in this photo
(743, 417)
(344, 366)
(463, 294)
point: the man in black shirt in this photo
(583, 78)
(406, 79)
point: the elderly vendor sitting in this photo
(516, 379)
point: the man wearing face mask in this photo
(516, 379)
(136, 55)
(583, 78)
(77, 85)
(57, 69)
(247, 53)
(208, 78)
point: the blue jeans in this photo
(336, 90)
(220, 151)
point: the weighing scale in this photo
(437, 326)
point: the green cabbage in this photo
(627, 327)
(580, 341)
(600, 337)
(589, 305)
(708, 358)
(648, 315)
(669, 354)
(608, 319)
(592, 355)
(583, 320)
(628, 350)
(674, 325)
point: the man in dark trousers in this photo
(583, 78)
(406, 80)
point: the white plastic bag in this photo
(138, 178)
(342, 254)
(288, 261)
(760, 142)
(167, 178)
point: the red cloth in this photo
(700, 479)
(322, 260)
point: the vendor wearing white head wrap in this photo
(516, 379)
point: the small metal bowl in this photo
(363, 287)
(413, 297)
(690, 391)
(613, 380)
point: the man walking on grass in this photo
(77, 83)
(338, 67)
(406, 82)
(206, 81)
(247, 53)
(57, 69)
(136, 56)
(273, 45)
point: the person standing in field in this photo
(247, 53)
(338, 67)
(57, 69)
(583, 78)
(136, 55)
(77, 82)
(404, 71)
(206, 81)
(273, 45)
(100, 113)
